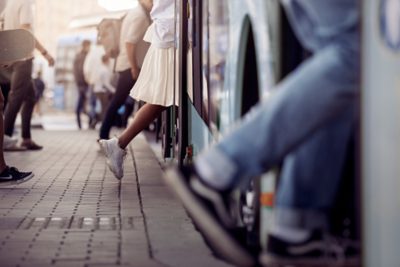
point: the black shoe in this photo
(30, 145)
(12, 176)
(209, 209)
(320, 250)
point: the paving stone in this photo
(75, 213)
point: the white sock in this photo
(215, 169)
(290, 234)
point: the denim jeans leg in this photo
(311, 176)
(311, 98)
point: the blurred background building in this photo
(61, 26)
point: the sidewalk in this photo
(75, 213)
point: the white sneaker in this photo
(115, 156)
(9, 142)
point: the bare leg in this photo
(143, 117)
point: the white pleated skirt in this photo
(155, 84)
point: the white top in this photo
(92, 61)
(103, 76)
(133, 28)
(163, 28)
(17, 13)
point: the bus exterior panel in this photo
(260, 19)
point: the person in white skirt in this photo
(155, 84)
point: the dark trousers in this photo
(22, 95)
(104, 99)
(129, 106)
(80, 107)
(5, 90)
(124, 86)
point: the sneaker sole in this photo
(268, 260)
(27, 178)
(218, 238)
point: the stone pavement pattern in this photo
(75, 213)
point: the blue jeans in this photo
(307, 121)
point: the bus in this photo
(229, 56)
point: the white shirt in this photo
(92, 61)
(163, 28)
(133, 28)
(103, 76)
(17, 13)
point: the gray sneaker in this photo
(115, 156)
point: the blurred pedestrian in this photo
(92, 62)
(18, 14)
(103, 89)
(9, 175)
(80, 81)
(129, 62)
(39, 86)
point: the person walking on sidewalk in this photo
(9, 175)
(92, 61)
(18, 14)
(306, 124)
(155, 85)
(80, 80)
(102, 87)
(129, 61)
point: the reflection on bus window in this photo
(215, 49)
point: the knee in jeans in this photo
(348, 52)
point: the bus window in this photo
(215, 49)
(209, 39)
